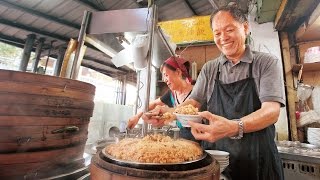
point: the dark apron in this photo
(255, 156)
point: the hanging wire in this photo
(147, 19)
(252, 3)
(285, 84)
(179, 55)
(139, 99)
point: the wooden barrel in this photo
(103, 168)
(43, 120)
(28, 133)
(38, 164)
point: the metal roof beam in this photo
(12, 43)
(12, 40)
(110, 65)
(214, 4)
(89, 5)
(40, 14)
(97, 69)
(34, 30)
(88, 58)
(131, 80)
(40, 32)
(191, 8)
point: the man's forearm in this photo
(267, 115)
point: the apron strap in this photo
(250, 70)
(218, 72)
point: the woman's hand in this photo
(218, 128)
(134, 120)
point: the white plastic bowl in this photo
(313, 136)
(222, 157)
(184, 118)
(218, 153)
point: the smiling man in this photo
(244, 91)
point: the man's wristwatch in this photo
(240, 135)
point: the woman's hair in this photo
(173, 63)
(235, 12)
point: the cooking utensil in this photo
(114, 132)
(153, 115)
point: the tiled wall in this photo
(104, 117)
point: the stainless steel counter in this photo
(300, 157)
(299, 160)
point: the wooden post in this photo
(38, 54)
(289, 79)
(82, 35)
(27, 52)
(59, 61)
(72, 45)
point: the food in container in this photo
(155, 148)
(187, 113)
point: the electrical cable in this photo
(139, 103)
(179, 55)
(252, 4)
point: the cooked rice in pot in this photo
(155, 148)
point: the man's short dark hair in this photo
(235, 12)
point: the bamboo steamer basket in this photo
(43, 122)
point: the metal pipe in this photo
(165, 41)
(38, 54)
(51, 46)
(150, 55)
(58, 64)
(138, 91)
(27, 52)
(124, 90)
(82, 34)
(214, 4)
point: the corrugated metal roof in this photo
(60, 20)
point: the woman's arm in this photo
(155, 103)
(133, 121)
(193, 102)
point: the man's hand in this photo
(218, 128)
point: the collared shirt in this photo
(266, 71)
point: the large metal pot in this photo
(103, 167)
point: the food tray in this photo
(124, 162)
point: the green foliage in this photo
(9, 51)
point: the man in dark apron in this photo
(244, 91)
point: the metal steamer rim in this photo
(135, 163)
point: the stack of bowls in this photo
(221, 156)
(314, 136)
